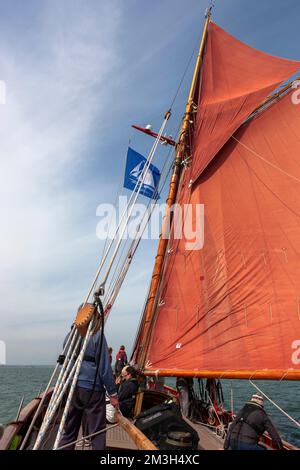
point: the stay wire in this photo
(172, 104)
(133, 247)
(119, 192)
(183, 77)
(114, 281)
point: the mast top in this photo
(209, 9)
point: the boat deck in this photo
(118, 439)
(208, 440)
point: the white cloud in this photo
(74, 70)
(57, 86)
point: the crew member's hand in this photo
(114, 401)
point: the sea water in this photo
(27, 381)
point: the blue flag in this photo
(134, 172)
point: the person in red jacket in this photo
(121, 360)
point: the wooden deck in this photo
(208, 440)
(117, 439)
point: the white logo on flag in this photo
(138, 174)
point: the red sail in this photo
(235, 304)
(236, 79)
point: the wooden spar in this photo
(273, 97)
(276, 374)
(144, 331)
(140, 440)
(163, 138)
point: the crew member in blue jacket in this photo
(89, 395)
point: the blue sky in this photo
(78, 74)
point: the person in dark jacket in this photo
(110, 350)
(127, 391)
(184, 386)
(250, 423)
(89, 397)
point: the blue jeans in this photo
(239, 445)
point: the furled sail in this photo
(235, 304)
(236, 78)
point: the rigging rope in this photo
(88, 436)
(266, 161)
(113, 290)
(74, 373)
(120, 185)
(177, 133)
(275, 404)
(65, 370)
(66, 375)
(183, 77)
(46, 390)
(214, 410)
(87, 337)
(135, 192)
(143, 175)
(50, 412)
(104, 256)
(116, 272)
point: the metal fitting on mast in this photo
(168, 114)
(209, 9)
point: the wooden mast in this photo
(144, 332)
